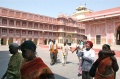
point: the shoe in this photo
(63, 64)
(79, 74)
(52, 63)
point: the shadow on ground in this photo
(4, 59)
(59, 77)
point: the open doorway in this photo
(118, 36)
(3, 41)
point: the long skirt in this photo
(80, 67)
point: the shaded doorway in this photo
(10, 41)
(35, 41)
(45, 42)
(3, 41)
(69, 39)
(118, 36)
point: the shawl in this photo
(36, 69)
(104, 70)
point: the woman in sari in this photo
(107, 65)
(33, 67)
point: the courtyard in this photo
(61, 72)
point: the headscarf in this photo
(90, 43)
(15, 45)
(108, 46)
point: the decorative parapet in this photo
(5, 12)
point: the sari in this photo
(36, 69)
(105, 70)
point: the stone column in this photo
(32, 39)
(26, 39)
(113, 39)
(7, 41)
(14, 40)
(0, 41)
(47, 41)
(43, 38)
(14, 23)
(38, 41)
(8, 22)
(0, 21)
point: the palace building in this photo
(18, 26)
(101, 27)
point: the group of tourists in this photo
(105, 67)
(27, 65)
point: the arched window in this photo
(4, 21)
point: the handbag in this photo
(80, 54)
(92, 71)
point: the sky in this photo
(52, 8)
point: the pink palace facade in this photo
(103, 26)
(18, 26)
(100, 27)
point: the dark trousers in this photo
(85, 75)
(53, 57)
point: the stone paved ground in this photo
(61, 72)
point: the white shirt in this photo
(50, 44)
(89, 54)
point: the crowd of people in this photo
(27, 65)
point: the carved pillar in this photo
(0, 21)
(0, 41)
(26, 24)
(7, 41)
(27, 35)
(47, 41)
(20, 23)
(43, 37)
(32, 39)
(14, 23)
(26, 39)
(20, 37)
(8, 22)
(38, 41)
(14, 40)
